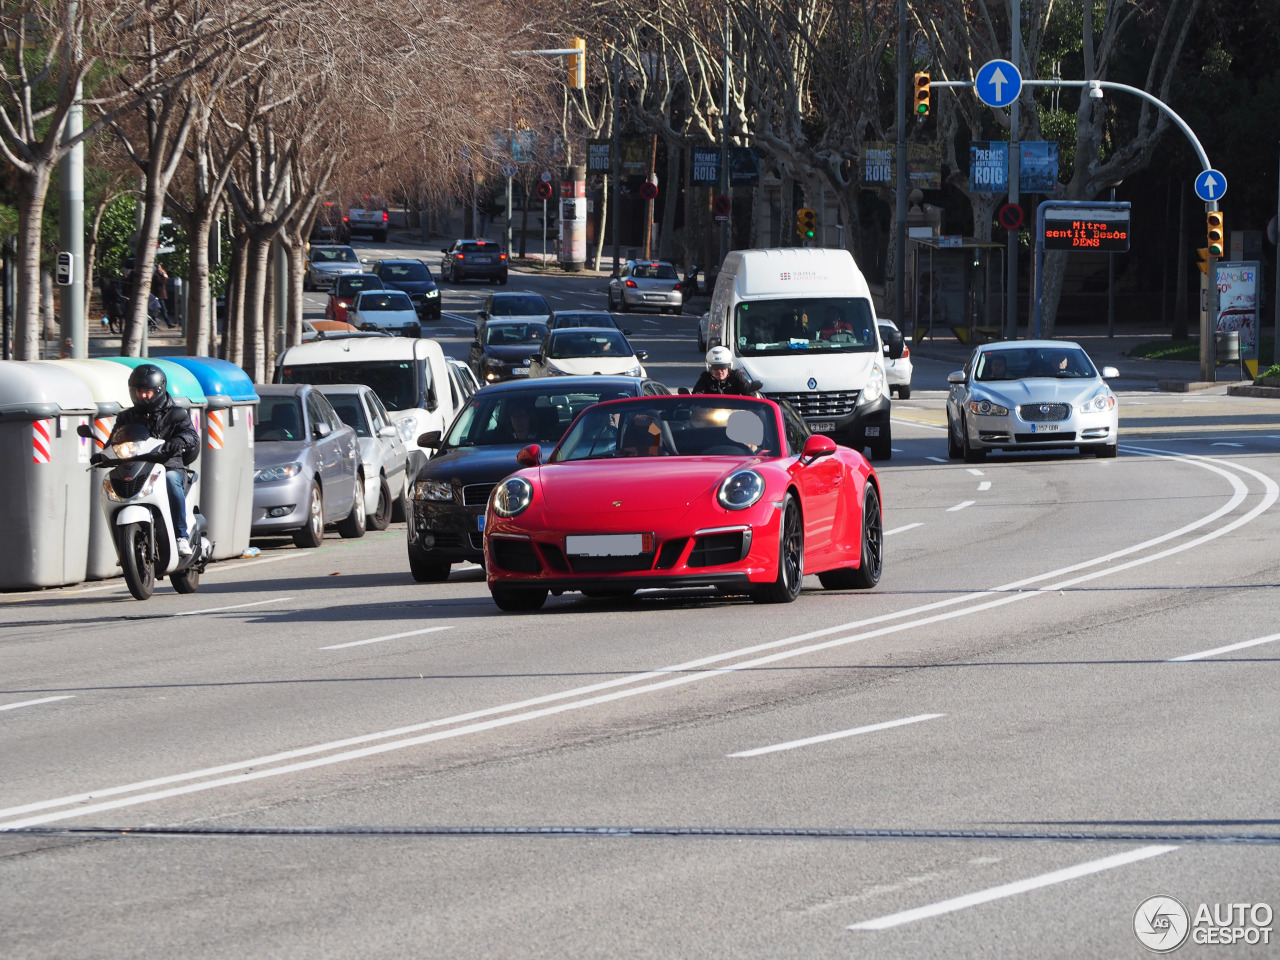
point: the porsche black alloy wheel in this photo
(790, 558)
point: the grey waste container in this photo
(108, 384)
(227, 438)
(1226, 344)
(44, 482)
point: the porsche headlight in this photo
(874, 389)
(740, 490)
(281, 471)
(512, 497)
(432, 490)
(1103, 401)
(985, 408)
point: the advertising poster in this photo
(924, 166)
(599, 157)
(880, 166)
(877, 163)
(1238, 304)
(744, 167)
(636, 153)
(705, 166)
(989, 166)
(1038, 169)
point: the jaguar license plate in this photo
(1044, 428)
(609, 545)
(822, 426)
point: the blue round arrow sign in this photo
(1210, 185)
(998, 83)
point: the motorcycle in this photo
(688, 287)
(137, 505)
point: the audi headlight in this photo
(985, 408)
(432, 490)
(432, 293)
(512, 497)
(1103, 401)
(490, 363)
(874, 389)
(740, 490)
(281, 471)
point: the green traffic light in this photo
(922, 109)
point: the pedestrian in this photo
(160, 290)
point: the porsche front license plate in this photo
(609, 545)
(873, 431)
(1044, 428)
(822, 426)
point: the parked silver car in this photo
(1030, 395)
(383, 454)
(307, 467)
(326, 262)
(646, 283)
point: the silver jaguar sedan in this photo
(1031, 395)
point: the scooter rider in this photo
(720, 377)
(164, 420)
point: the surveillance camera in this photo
(1095, 89)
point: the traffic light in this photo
(578, 64)
(806, 223)
(1203, 254)
(1214, 221)
(922, 95)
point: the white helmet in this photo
(719, 357)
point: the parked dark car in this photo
(414, 278)
(479, 450)
(474, 260)
(502, 350)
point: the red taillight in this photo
(385, 216)
(631, 283)
(345, 219)
(502, 256)
(459, 256)
(906, 351)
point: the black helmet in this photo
(147, 375)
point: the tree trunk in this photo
(297, 269)
(255, 295)
(236, 299)
(1055, 269)
(604, 222)
(199, 329)
(524, 224)
(26, 308)
(48, 319)
(666, 242)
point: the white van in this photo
(801, 322)
(410, 376)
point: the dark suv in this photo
(474, 260)
(414, 278)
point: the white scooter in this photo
(136, 500)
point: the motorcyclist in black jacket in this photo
(720, 377)
(164, 420)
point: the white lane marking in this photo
(1011, 889)
(936, 459)
(1003, 595)
(647, 320)
(32, 703)
(909, 526)
(960, 506)
(554, 297)
(468, 565)
(219, 568)
(1226, 444)
(823, 738)
(236, 606)
(106, 586)
(1227, 649)
(976, 473)
(390, 636)
(984, 485)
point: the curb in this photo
(1250, 390)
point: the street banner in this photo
(705, 164)
(1238, 303)
(636, 154)
(524, 146)
(879, 167)
(924, 166)
(989, 166)
(744, 167)
(599, 157)
(1038, 169)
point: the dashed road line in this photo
(825, 737)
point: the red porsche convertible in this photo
(684, 491)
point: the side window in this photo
(375, 404)
(797, 431)
(315, 412)
(455, 390)
(376, 418)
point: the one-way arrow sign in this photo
(1210, 185)
(998, 83)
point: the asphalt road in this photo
(994, 753)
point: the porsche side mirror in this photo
(816, 447)
(529, 456)
(430, 439)
(955, 376)
(1110, 373)
(684, 391)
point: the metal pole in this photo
(900, 204)
(617, 171)
(1275, 304)
(1111, 286)
(724, 141)
(71, 215)
(1015, 168)
(544, 234)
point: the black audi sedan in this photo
(414, 278)
(502, 349)
(446, 525)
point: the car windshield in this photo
(487, 420)
(771, 328)
(479, 247)
(370, 202)
(383, 301)
(350, 411)
(1023, 363)
(561, 320)
(519, 306)
(584, 342)
(279, 418)
(654, 271)
(354, 284)
(514, 334)
(673, 426)
(406, 271)
(333, 255)
(394, 381)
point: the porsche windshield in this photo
(771, 328)
(672, 427)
